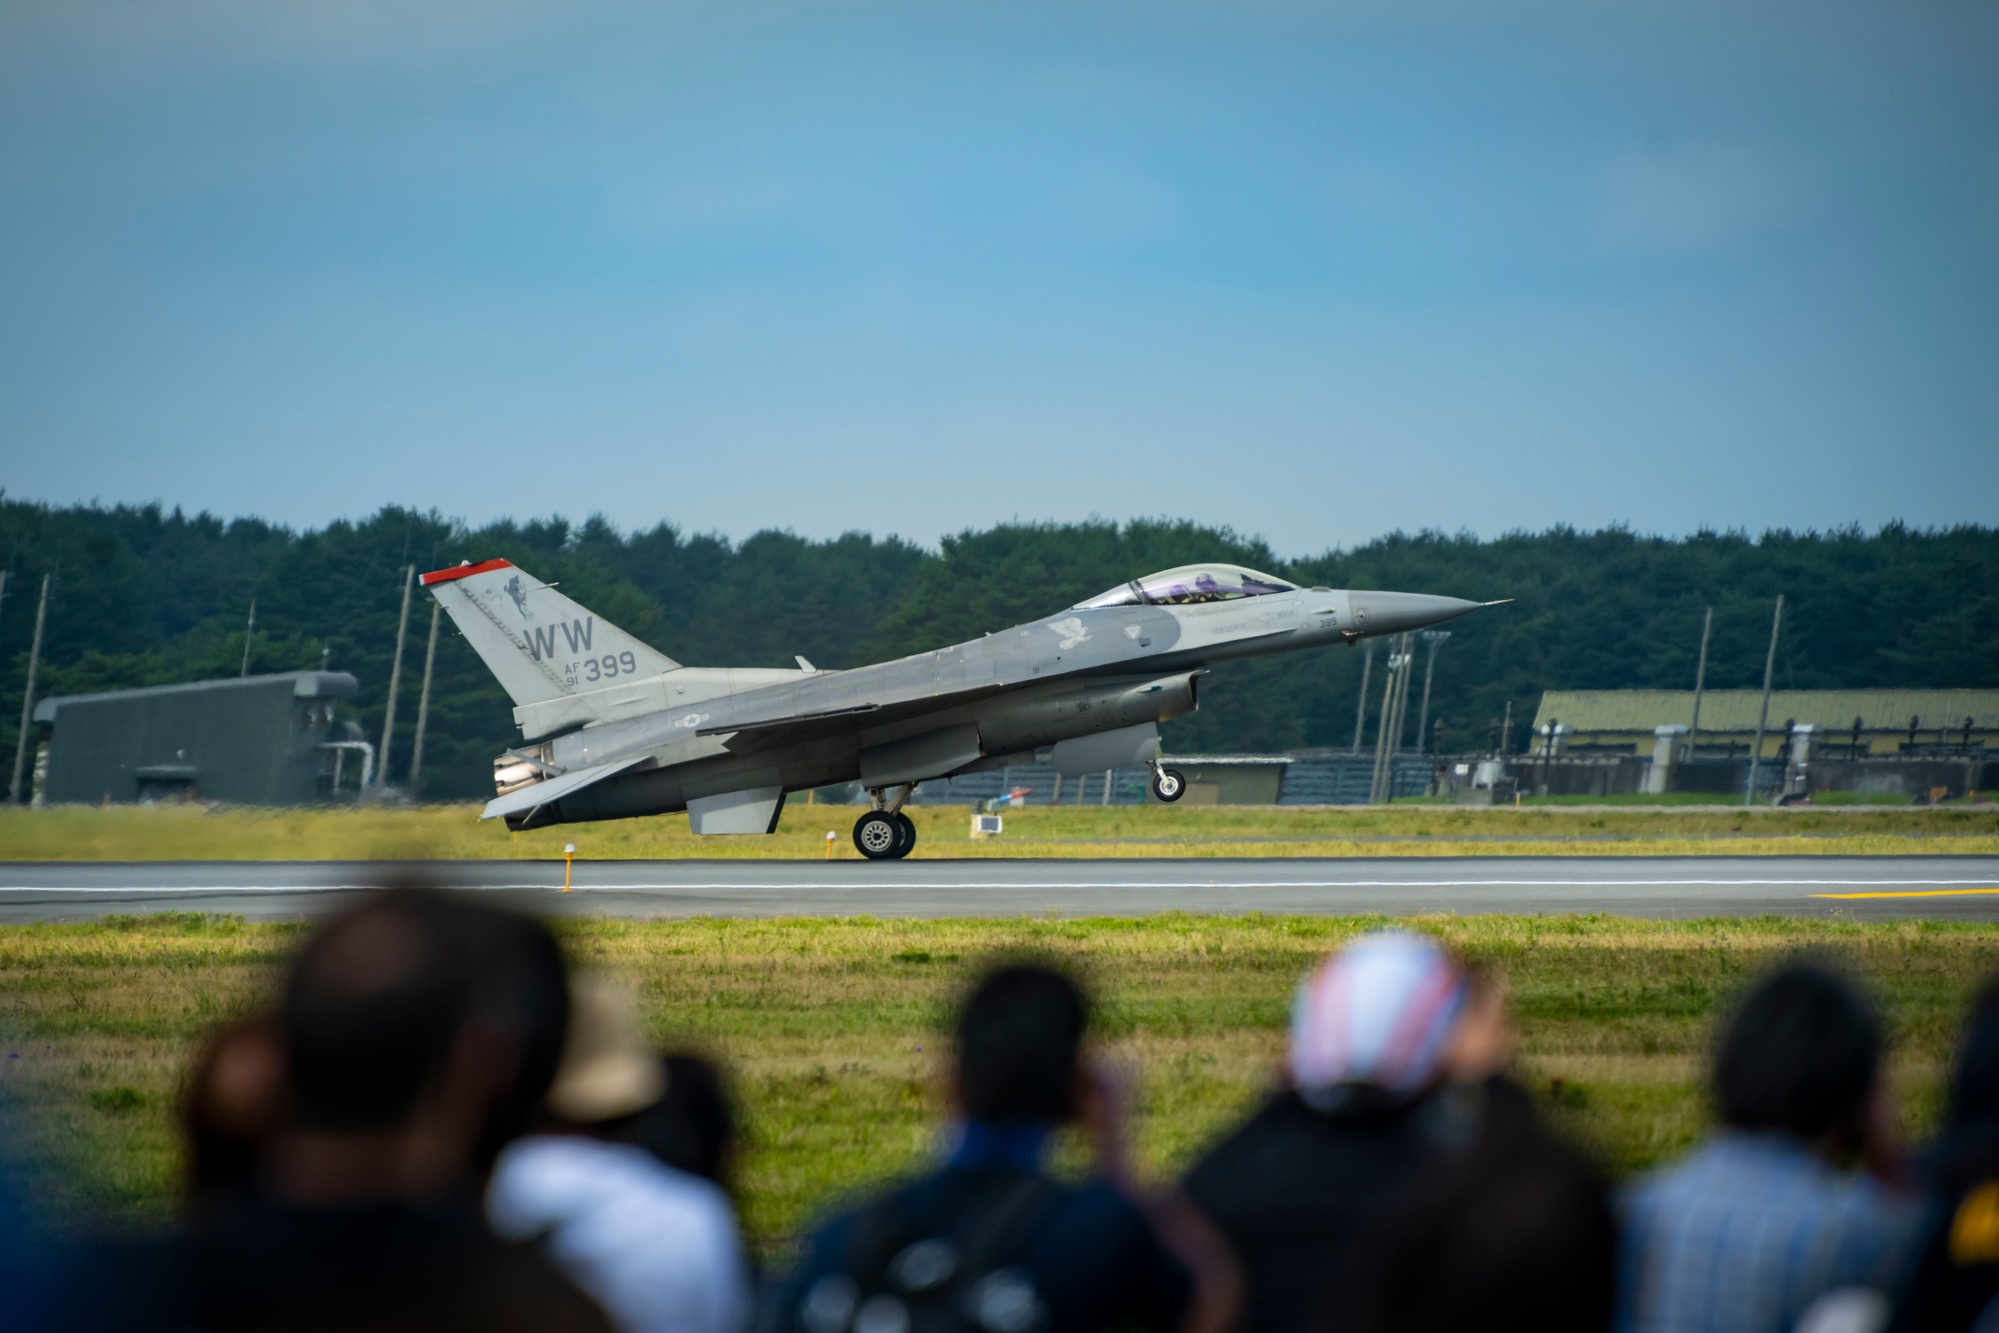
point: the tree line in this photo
(143, 595)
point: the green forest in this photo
(146, 595)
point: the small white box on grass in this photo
(985, 826)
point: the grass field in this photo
(832, 1025)
(180, 833)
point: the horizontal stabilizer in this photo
(554, 789)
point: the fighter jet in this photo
(614, 729)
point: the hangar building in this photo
(1919, 743)
(254, 740)
(1847, 724)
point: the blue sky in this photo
(1314, 271)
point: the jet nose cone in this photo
(1400, 612)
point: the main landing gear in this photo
(1168, 784)
(886, 834)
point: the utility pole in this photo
(1506, 730)
(1394, 703)
(28, 695)
(1402, 684)
(1700, 684)
(1401, 712)
(395, 677)
(1402, 694)
(1433, 639)
(1381, 726)
(249, 634)
(1763, 718)
(423, 701)
(1360, 703)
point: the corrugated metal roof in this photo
(1736, 710)
(305, 685)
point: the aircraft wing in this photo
(788, 720)
(554, 789)
(762, 733)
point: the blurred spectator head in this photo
(1974, 1084)
(1799, 1054)
(231, 1104)
(1019, 1045)
(1380, 1016)
(411, 990)
(607, 1071)
(692, 1127)
(1516, 1233)
(1482, 1045)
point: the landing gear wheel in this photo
(878, 836)
(1169, 784)
(908, 827)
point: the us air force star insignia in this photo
(1131, 631)
(1071, 630)
(693, 719)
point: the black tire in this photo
(1169, 784)
(878, 836)
(908, 828)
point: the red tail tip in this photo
(465, 570)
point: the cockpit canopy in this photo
(1191, 583)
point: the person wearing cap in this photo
(657, 1247)
(1378, 1032)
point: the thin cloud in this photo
(1703, 198)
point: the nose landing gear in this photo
(885, 833)
(1168, 784)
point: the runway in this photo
(1952, 888)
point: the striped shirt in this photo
(1748, 1231)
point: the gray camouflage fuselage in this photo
(691, 734)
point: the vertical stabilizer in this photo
(538, 643)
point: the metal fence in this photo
(1345, 779)
(1127, 786)
(1334, 780)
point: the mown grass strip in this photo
(832, 1026)
(129, 833)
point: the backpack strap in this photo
(998, 1233)
(989, 1219)
(885, 1225)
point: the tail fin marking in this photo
(536, 642)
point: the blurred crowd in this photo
(441, 1126)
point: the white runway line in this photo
(876, 886)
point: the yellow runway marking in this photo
(1915, 893)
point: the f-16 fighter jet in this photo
(612, 728)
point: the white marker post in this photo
(568, 858)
